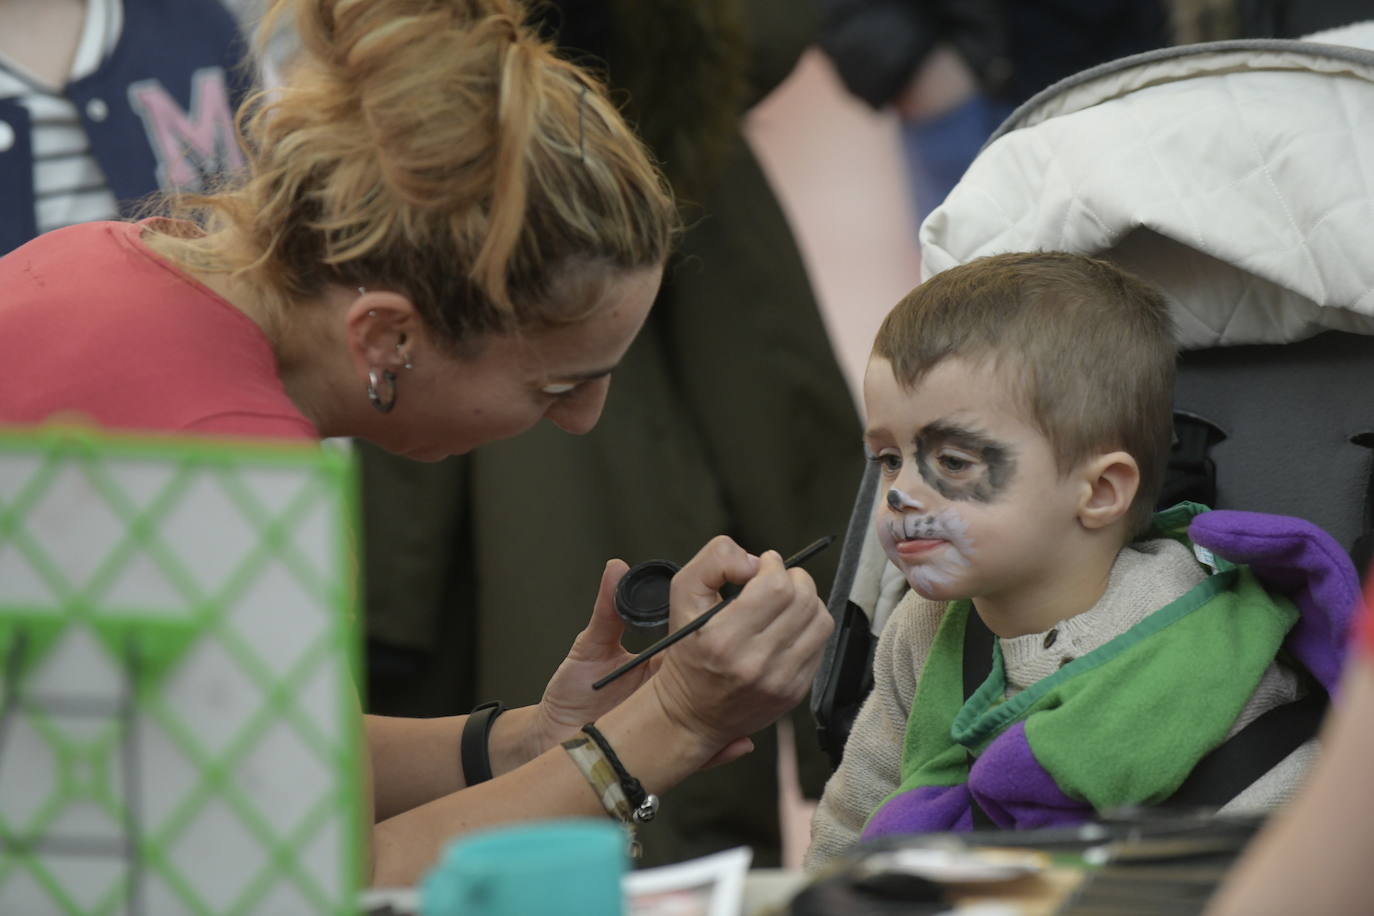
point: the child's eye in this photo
(889, 462)
(954, 464)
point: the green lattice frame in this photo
(160, 643)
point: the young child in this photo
(1019, 407)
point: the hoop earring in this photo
(373, 395)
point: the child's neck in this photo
(1036, 606)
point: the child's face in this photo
(971, 504)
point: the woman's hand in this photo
(755, 660)
(739, 673)
(569, 702)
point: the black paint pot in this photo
(641, 598)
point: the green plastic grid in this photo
(322, 476)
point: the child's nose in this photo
(899, 500)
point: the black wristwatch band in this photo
(472, 747)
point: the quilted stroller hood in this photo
(1238, 176)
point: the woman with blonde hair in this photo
(444, 234)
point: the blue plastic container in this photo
(546, 868)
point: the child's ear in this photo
(1110, 483)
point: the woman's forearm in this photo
(413, 761)
(653, 749)
(731, 679)
(418, 760)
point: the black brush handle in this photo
(798, 558)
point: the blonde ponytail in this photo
(434, 147)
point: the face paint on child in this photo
(962, 464)
(928, 567)
(897, 500)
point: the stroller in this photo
(1239, 178)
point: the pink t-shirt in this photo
(93, 323)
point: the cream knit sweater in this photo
(1146, 577)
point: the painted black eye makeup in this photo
(963, 464)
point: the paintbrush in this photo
(798, 558)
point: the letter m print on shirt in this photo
(191, 147)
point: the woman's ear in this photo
(1110, 483)
(382, 328)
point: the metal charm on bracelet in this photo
(647, 810)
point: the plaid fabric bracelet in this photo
(621, 794)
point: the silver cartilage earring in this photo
(387, 375)
(374, 382)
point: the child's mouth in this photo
(916, 547)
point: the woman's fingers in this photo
(777, 598)
(808, 644)
(778, 603)
(696, 587)
(604, 630)
(752, 662)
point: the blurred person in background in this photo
(1219, 20)
(953, 70)
(729, 414)
(1312, 855)
(1296, 18)
(103, 102)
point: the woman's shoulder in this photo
(62, 262)
(101, 279)
(99, 324)
(99, 269)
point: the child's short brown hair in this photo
(1089, 346)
